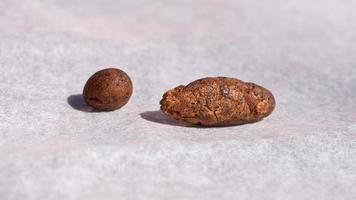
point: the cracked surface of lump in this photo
(108, 89)
(218, 101)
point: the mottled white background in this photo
(51, 148)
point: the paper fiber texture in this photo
(53, 147)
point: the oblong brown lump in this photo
(218, 101)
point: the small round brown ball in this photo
(108, 89)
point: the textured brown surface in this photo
(108, 89)
(218, 101)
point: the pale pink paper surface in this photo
(303, 51)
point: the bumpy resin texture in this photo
(218, 101)
(108, 89)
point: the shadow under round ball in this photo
(108, 89)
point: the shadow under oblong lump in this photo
(218, 101)
(158, 116)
